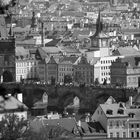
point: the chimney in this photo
(130, 100)
(42, 34)
(79, 123)
(20, 97)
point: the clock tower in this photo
(7, 53)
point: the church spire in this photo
(33, 24)
(99, 24)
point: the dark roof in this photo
(66, 123)
(41, 53)
(72, 59)
(54, 42)
(97, 126)
(51, 60)
(132, 61)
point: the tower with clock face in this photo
(104, 45)
(7, 53)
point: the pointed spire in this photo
(10, 31)
(99, 25)
(33, 24)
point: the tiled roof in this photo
(10, 104)
(126, 51)
(71, 59)
(42, 53)
(70, 50)
(66, 123)
(20, 51)
(113, 108)
(51, 49)
(135, 111)
(131, 61)
(51, 60)
(54, 42)
(96, 126)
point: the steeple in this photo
(33, 24)
(99, 24)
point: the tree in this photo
(51, 132)
(12, 127)
(78, 77)
(67, 79)
(96, 82)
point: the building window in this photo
(123, 123)
(132, 134)
(138, 125)
(117, 123)
(132, 125)
(138, 134)
(117, 135)
(124, 134)
(111, 135)
(110, 124)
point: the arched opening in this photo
(7, 76)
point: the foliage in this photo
(67, 79)
(6, 5)
(50, 132)
(78, 77)
(12, 127)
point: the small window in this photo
(110, 112)
(132, 134)
(111, 135)
(124, 134)
(138, 134)
(117, 135)
(138, 125)
(120, 111)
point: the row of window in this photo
(117, 124)
(107, 61)
(105, 73)
(105, 67)
(65, 69)
(107, 79)
(137, 125)
(118, 134)
(24, 64)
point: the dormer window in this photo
(120, 111)
(121, 105)
(131, 115)
(109, 111)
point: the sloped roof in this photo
(96, 126)
(66, 123)
(126, 51)
(20, 51)
(71, 59)
(51, 49)
(54, 42)
(42, 53)
(132, 61)
(51, 60)
(10, 104)
(135, 111)
(114, 107)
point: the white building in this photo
(26, 68)
(102, 68)
(12, 105)
(113, 117)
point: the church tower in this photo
(95, 38)
(7, 52)
(33, 23)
